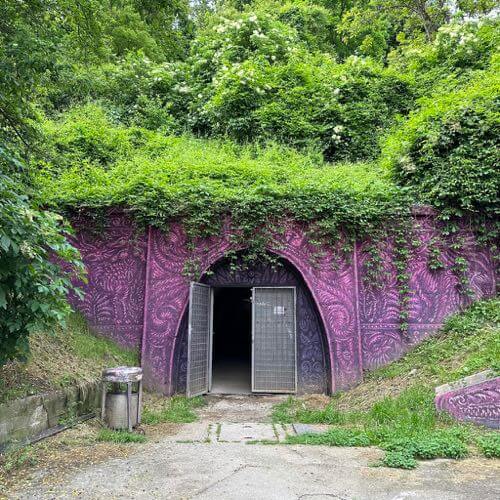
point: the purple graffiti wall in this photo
(478, 402)
(138, 293)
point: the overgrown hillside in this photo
(343, 114)
(67, 355)
(394, 407)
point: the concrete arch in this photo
(313, 363)
(330, 281)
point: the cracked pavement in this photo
(214, 459)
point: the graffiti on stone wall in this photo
(479, 403)
(114, 294)
(138, 288)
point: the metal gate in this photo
(199, 367)
(274, 349)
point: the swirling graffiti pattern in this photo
(137, 293)
(479, 403)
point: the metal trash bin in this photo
(122, 409)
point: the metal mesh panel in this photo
(274, 351)
(198, 339)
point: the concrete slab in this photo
(244, 432)
(195, 432)
(310, 428)
(230, 471)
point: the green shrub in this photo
(489, 444)
(33, 286)
(120, 436)
(433, 444)
(162, 178)
(399, 460)
(447, 150)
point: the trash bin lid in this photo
(122, 374)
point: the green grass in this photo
(65, 356)
(407, 425)
(177, 409)
(467, 343)
(490, 445)
(120, 436)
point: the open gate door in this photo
(274, 351)
(199, 369)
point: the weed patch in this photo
(489, 444)
(333, 437)
(120, 436)
(177, 409)
(18, 458)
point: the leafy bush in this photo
(399, 460)
(434, 444)
(489, 444)
(256, 80)
(33, 286)
(162, 178)
(459, 49)
(447, 150)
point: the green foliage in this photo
(178, 409)
(447, 150)
(489, 444)
(201, 181)
(332, 437)
(399, 460)
(120, 436)
(459, 49)
(407, 426)
(33, 286)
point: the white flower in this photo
(338, 128)
(200, 96)
(336, 92)
(252, 18)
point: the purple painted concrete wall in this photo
(478, 403)
(138, 293)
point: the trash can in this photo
(121, 406)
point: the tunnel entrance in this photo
(232, 340)
(241, 340)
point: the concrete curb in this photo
(27, 419)
(472, 399)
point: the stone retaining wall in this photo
(474, 399)
(23, 420)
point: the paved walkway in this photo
(214, 459)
